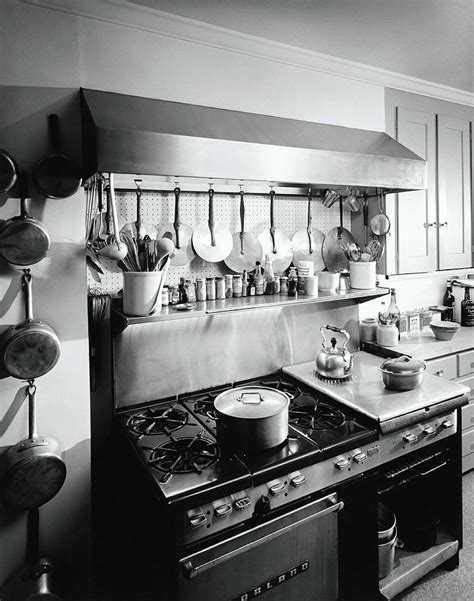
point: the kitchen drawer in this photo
(468, 416)
(445, 367)
(469, 382)
(467, 443)
(468, 463)
(466, 363)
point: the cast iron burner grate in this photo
(316, 417)
(291, 390)
(184, 455)
(316, 374)
(157, 421)
(205, 406)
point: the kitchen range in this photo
(297, 520)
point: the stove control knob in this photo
(447, 424)
(276, 487)
(371, 451)
(262, 506)
(410, 437)
(341, 463)
(242, 503)
(359, 457)
(223, 510)
(297, 479)
(429, 430)
(197, 520)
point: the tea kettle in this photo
(333, 362)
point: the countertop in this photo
(367, 394)
(426, 346)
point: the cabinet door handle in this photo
(433, 224)
(440, 372)
(444, 224)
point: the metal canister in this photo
(220, 287)
(210, 289)
(200, 289)
(237, 286)
(228, 286)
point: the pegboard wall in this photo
(157, 208)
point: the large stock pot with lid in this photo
(252, 418)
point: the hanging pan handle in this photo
(272, 221)
(309, 228)
(24, 195)
(177, 219)
(242, 222)
(32, 434)
(53, 129)
(27, 286)
(211, 221)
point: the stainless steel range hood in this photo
(133, 135)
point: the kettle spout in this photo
(348, 366)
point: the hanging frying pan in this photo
(333, 255)
(31, 348)
(211, 241)
(34, 471)
(23, 239)
(380, 223)
(181, 234)
(274, 242)
(308, 243)
(246, 248)
(56, 176)
(8, 172)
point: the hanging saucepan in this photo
(180, 233)
(31, 348)
(308, 243)
(380, 223)
(275, 243)
(8, 172)
(34, 471)
(211, 241)
(335, 240)
(56, 176)
(246, 249)
(252, 418)
(23, 239)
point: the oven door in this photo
(293, 556)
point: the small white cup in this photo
(311, 285)
(328, 280)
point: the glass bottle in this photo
(383, 314)
(244, 283)
(183, 297)
(292, 282)
(448, 301)
(258, 279)
(393, 310)
(467, 309)
(268, 276)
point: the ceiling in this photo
(427, 39)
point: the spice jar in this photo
(220, 287)
(165, 296)
(368, 329)
(237, 286)
(387, 334)
(284, 284)
(210, 289)
(228, 286)
(200, 289)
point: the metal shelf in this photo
(120, 321)
(410, 567)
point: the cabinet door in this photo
(454, 193)
(417, 210)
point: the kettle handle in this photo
(334, 329)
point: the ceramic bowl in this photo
(444, 330)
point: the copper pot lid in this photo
(251, 402)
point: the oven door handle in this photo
(191, 568)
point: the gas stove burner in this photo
(157, 421)
(205, 407)
(184, 455)
(291, 390)
(316, 374)
(317, 416)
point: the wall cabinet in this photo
(433, 229)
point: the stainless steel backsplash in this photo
(163, 359)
